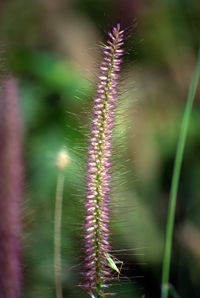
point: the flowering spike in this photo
(97, 244)
(11, 191)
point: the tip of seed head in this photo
(62, 160)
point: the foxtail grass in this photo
(97, 262)
(11, 190)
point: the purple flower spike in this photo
(98, 273)
(11, 191)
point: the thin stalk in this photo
(57, 234)
(175, 179)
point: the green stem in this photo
(175, 179)
(57, 234)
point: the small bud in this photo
(62, 160)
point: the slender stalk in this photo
(57, 234)
(175, 179)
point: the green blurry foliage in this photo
(164, 43)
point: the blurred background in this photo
(53, 49)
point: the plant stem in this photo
(175, 179)
(57, 234)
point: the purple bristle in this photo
(97, 272)
(11, 191)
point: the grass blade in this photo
(175, 179)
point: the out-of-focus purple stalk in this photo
(97, 272)
(10, 191)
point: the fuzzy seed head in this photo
(11, 190)
(97, 272)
